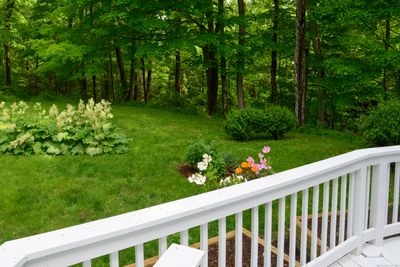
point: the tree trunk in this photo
(94, 88)
(212, 78)
(121, 67)
(148, 85)
(143, 77)
(322, 94)
(300, 61)
(386, 70)
(224, 81)
(83, 87)
(274, 63)
(241, 63)
(132, 81)
(112, 77)
(178, 72)
(106, 88)
(7, 48)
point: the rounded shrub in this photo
(251, 123)
(196, 150)
(381, 126)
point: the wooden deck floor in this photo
(372, 256)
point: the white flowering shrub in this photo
(86, 129)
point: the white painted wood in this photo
(281, 232)
(378, 198)
(254, 237)
(114, 259)
(238, 239)
(391, 256)
(180, 256)
(350, 208)
(360, 185)
(222, 242)
(332, 232)
(367, 200)
(361, 261)
(204, 243)
(90, 240)
(292, 244)
(162, 245)
(139, 255)
(396, 193)
(184, 237)
(325, 210)
(304, 228)
(348, 262)
(343, 197)
(87, 263)
(314, 222)
(267, 234)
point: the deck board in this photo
(388, 255)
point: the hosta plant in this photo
(85, 129)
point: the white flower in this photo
(200, 179)
(191, 178)
(207, 158)
(202, 166)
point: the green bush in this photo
(195, 151)
(381, 126)
(83, 130)
(251, 123)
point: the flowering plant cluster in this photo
(86, 129)
(202, 166)
(250, 169)
(247, 170)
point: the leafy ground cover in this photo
(41, 193)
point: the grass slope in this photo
(43, 193)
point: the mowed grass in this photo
(43, 193)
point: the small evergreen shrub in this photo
(251, 123)
(381, 126)
(86, 129)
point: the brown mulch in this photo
(186, 170)
(230, 254)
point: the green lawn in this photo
(43, 193)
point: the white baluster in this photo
(87, 263)
(222, 242)
(325, 210)
(162, 245)
(292, 244)
(254, 237)
(314, 227)
(350, 207)
(139, 255)
(332, 232)
(343, 195)
(267, 234)
(114, 261)
(204, 243)
(360, 182)
(367, 197)
(238, 239)
(396, 193)
(184, 238)
(281, 232)
(304, 228)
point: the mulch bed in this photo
(230, 254)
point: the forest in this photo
(327, 61)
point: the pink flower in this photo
(266, 149)
(250, 160)
(260, 155)
(263, 161)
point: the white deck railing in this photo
(357, 181)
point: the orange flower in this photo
(245, 165)
(238, 170)
(254, 168)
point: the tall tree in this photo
(274, 64)
(241, 56)
(7, 47)
(300, 61)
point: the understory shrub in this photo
(381, 126)
(86, 129)
(251, 123)
(196, 150)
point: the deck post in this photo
(379, 184)
(360, 194)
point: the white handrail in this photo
(86, 241)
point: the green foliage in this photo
(85, 130)
(196, 150)
(251, 123)
(381, 126)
